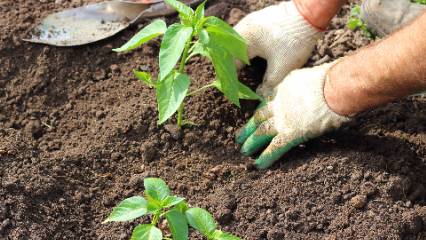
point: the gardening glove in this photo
(385, 16)
(282, 36)
(296, 114)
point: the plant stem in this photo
(180, 115)
(155, 219)
(184, 56)
(181, 70)
(200, 90)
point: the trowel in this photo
(94, 22)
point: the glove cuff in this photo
(309, 114)
(334, 120)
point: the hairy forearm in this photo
(319, 12)
(387, 70)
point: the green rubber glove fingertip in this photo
(246, 131)
(268, 158)
(265, 161)
(254, 143)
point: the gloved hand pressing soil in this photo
(297, 113)
(282, 36)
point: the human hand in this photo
(282, 36)
(297, 113)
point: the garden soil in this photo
(78, 134)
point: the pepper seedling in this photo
(160, 204)
(196, 34)
(355, 22)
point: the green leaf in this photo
(128, 210)
(172, 47)
(171, 201)
(177, 224)
(226, 73)
(198, 49)
(171, 93)
(225, 36)
(144, 77)
(181, 207)
(229, 42)
(244, 92)
(146, 232)
(204, 37)
(156, 188)
(219, 235)
(153, 206)
(353, 23)
(355, 11)
(201, 220)
(213, 21)
(180, 7)
(199, 12)
(153, 30)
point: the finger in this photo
(260, 138)
(248, 30)
(262, 114)
(278, 147)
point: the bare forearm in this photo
(383, 72)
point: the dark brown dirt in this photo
(78, 134)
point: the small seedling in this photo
(194, 35)
(355, 22)
(159, 204)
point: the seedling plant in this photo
(196, 34)
(355, 22)
(159, 204)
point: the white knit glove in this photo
(282, 36)
(297, 113)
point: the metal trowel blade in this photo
(91, 23)
(87, 24)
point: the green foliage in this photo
(128, 210)
(178, 224)
(144, 77)
(172, 47)
(147, 232)
(219, 235)
(153, 30)
(196, 34)
(355, 22)
(171, 93)
(420, 1)
(244, 92)
(158, 203)
(201, 220)
(156, 189)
